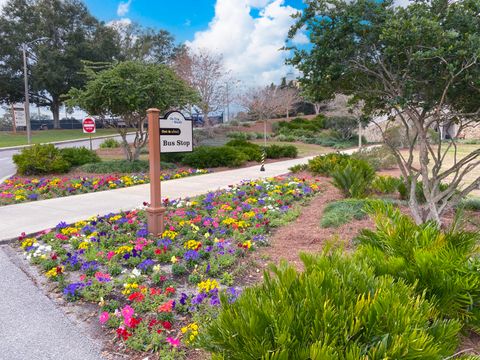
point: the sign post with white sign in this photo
(19, 119)
(176, 133)
(171, 134)
(89, 127)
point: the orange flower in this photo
(167, 307)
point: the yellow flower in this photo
(169, 234)
(123, 249)
(84, 245)
(70, 231)
(115, 218)
(173, 259)
(192, 244)
(247, 244)
(129, 288)
(28, 242)
(207, 285)
(54, 271)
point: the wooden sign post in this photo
(156, 212)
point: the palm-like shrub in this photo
(443, 265)
(354, 179)
(336, 309)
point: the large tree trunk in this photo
(317, 108)
(55, 108)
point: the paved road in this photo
(7, 167)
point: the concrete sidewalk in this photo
(32, 327)
(40, 215)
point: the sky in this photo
(248, 33)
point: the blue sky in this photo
(181, 17)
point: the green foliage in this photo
(404, 190)
(354, 179)
(325, 164)
(79, 156)
(344, 126)
(110, 143)
(472, 204)
(310, 126)
(252, 151)
(121, 166)
(210, 157)
(386, 184)
(379, 157)
(336, 309)
(341, 212)
(241, 135)
(281, 151)
(298, 168)
(443, 265)
(40, 160)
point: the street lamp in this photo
(27, 98)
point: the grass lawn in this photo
(20, 138)
(462, 151)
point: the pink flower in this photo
(110, 255)
(127, 312)
(104, 317)
(173, 342)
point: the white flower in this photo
(136, 272)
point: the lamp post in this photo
(27, 97)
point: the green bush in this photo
(336, 309)
(386, 184)
(404, 190)
(281, 151)
(79, 156)
(342, 212)
(241, 135)
(379, 157)
(41, 160)
(109, 143)
(354, 179)
(443, 265)
(122, 166)
(313, 126)
(325, 164)
(298, 168)
(251, 150)
(472, 204)
(210, 157)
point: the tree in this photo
(262, 103)
(137, 43)
(205, 72)
(127, 90)
(418, 66)
(289, 97)
(72, 35)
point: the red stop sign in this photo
(88, 125)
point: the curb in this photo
(62, 142)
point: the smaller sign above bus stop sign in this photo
(88, 125)
(176, 133)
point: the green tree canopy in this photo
(417, 65)
(126, 90)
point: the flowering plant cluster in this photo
(153, 291)
(20, 189)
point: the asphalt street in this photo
(7, 167)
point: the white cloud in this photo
(120, 23)
(123, 8)
(250, 46)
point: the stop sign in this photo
(88, 125)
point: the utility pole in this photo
(27, 99)
(228, 103)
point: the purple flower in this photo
(33, 196)
(89, 265)
(183, 299)
(191, 255)
(214, 301)
(145, 264)
(61, 225)
(232, 294)
(199, 298)
(142, 232)
(72, 289)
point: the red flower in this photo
(167, 325)
(169, 290)
(155, 291)
(158, 251)
(59, 270)
(123, 334)
(137, 297)
(133, 322)
(54, 256)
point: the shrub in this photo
(79, 156)
(443, 265)
(345, 126)
(336, 309)
(354, 179)
(312, 126)
(251, 150)
(386, 184)
(240, 135)
(379, 157)
(325, 164)
(109, 143)
(472, 204)
(40, 160)
(342, 212)
(122, 166)
(173, 157)
(281, 151)
(404, 190)
(209, 157)
(298, 168)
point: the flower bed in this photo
(156, 293)
(18, 189)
